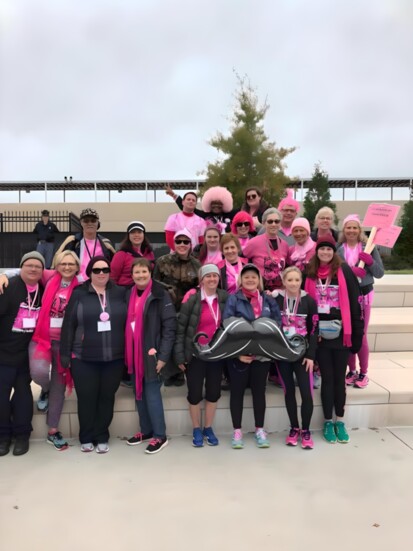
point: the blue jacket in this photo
(239, 306)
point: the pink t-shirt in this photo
(193, 223)
(88, 249)
(58, 311)
(28, 310)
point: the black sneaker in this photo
(43, 402)
(57, 441)
(138, 438)
(179, 380)
(156, 444)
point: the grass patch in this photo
(399, 271)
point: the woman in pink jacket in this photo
(268, 252)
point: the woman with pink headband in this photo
(351, 250)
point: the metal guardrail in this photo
(12, 222)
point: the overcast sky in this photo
(133, 89)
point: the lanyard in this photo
(323, 288)
(30, 302)
(94, 249)
(287, 306)
(104, 316)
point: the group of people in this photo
(100, 316)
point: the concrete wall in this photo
(116, 216)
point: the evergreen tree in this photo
(404, 245)
(248, 157)
(318, 195)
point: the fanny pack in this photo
(330, 329)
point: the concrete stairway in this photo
(387, 401)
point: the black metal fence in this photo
(14, 244)
(21, 221)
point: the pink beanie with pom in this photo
(301, 223)
(217, 193)
(289, 201)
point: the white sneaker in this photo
(88, 447)
(102, 447)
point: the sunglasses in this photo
(240, 224)
(273, 221)
(253, 196)
(100, 270)
(89, 220)
(182, 242)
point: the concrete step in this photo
(387, 401)
(393, 290)
(391, 329)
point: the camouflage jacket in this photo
(177, 274)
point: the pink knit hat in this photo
(301, 223)
(289, 201)
(352, 218)
(242, 216)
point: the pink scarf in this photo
(351, 254)
(310, 287)
(300, 251)
(255, 300)
(41, 335)
(134, 338)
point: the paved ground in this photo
(336, 497)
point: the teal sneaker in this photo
(237, 441)
(341, 433)
(261, 438)
(329, 432)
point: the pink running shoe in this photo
(292, 438)
(306, 440)
(351, 378)
(362, 381)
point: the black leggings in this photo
(199, 371)
(305, 384)
(333, 365)
(240, 374)
(96, 384)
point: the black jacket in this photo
(188, 320)
(45, 232)
(357, 323)
(14, 345)
(79, 332)
(159, 322)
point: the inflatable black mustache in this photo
(261, 337)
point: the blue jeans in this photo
(46, 249)
(150, 410)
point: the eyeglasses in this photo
(288, 210)
(240, 224)
(253, 196)
(182, 242)
(325, 218)
(33, 266)
(273, 221)
(67, 265)
(100, 270)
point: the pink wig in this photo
(217, 193)
(242, 216)
(289, 201)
